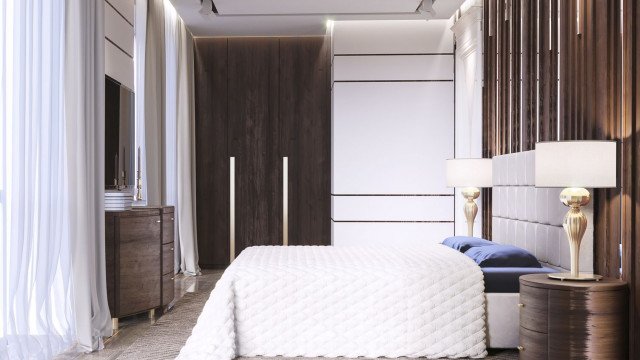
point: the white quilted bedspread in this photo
(314, 301)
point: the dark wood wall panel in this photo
(306, 138)
(212, 162)
(259, 99)
(630, 201)
(253, 140)
(579, 82)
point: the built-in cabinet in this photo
(263, 131)
(139, 259)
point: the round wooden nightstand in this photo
(573, 320)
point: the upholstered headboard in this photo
(530, 217)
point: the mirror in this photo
(119, 123)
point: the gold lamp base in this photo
(470, 207)
(575, 225)
(580, 277)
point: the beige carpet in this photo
(166, 337)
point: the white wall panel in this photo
(384, 208)
(118, 65)
(393, 67)
(392, 37)
(392, 138)
(119, 31)
(362, 234)
(124, 7)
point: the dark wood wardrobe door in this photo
(212, 159)
(305, 103)
(253, 140)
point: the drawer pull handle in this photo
(158, 221)
(520, 348)
(521, 305)
(171, 249)
(171, 219)
(172, 278)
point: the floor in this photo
(132, 328)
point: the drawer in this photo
(167, 258)
(167, 228)
(534, 303)
(533, 345)
(168, 288)
(593, 322)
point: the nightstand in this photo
(572, 319)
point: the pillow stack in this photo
(489, 254)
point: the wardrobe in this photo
(263, 137)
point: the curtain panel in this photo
(52, 274)
(179, 150)
(36, 294)
(84, 119)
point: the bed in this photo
(425, 301)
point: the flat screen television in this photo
(119, 123)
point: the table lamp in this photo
(470, 174)
(574, 166)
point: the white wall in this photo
(468, 36)
(119, 36)
(393, 128)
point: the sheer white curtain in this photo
(178, 153)
(52, 291)
(36, 298)
(84, 115)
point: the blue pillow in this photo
(464, 243)
(502, 256)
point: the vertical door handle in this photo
(232, 208)
(285, 201)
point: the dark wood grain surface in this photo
(306, 137)
(573, 319)
(534, 345)
(168, 228)
(139, 264)
(110, 258)
(582, 49)
(167, 259)
(168, 289)
(534, 308)
(253, 140)
(631, 167)
(212, 158)
(276, 103)
(136, 259)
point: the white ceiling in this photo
(296, 17)
(280, 7)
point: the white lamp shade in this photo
(586, 164)
(469, 173)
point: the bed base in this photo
(503, 320)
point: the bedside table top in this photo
(542, 281)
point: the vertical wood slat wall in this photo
(569, 70)
(630, 202)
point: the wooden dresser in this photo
(139, 260)
(572, 320)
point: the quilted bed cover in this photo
(316, 301)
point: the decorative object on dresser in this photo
(469, 174)
(117, 200)
(572, 320)
(139, 260)
(574, 165)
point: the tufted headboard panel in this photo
(530, 217)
